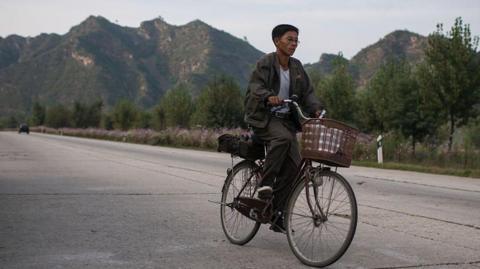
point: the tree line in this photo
(416, 102)
(219, 104)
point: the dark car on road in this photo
(23, 129)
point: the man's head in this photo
(285, 38)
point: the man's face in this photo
(287, 44)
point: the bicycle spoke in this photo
(341, 204)
(302, 215)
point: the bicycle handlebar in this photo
(299, 110)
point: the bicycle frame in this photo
(305, 166)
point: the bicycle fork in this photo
(319, 216)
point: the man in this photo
(278, 76)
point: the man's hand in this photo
(318, 113)
(274, 100)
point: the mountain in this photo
(98, 59)
(326, 64)
(398, 45)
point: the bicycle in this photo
(320, 217)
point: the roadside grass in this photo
(206, 139)
(421, 168)
(201, 138)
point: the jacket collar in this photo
(291, 66)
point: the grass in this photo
(200, 138)
(421, 168)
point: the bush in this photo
(124, 115)
(58, 116)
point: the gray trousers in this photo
(282, 159)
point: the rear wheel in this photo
(238, 228)
(318, 241)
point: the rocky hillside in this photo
(98, 59)
(398, 45)
(326, 64)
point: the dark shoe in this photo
(265, 192)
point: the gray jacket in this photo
(265, 82)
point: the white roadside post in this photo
(379, 149)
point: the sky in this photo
(326, 26)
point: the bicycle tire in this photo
(304, 232)
(238, 228)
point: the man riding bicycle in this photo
(278, 76)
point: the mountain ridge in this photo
(395, 46)
(98, 59)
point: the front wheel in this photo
(243, 178)
(321, 219)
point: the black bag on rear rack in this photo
(228, 143)
(241, 146)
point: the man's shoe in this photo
(265, 192)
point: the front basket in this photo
(328, 141)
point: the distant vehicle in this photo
(23, 128)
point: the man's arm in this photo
(312, 104)
(258, 83)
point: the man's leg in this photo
(286, 176)
(284, 184)
(280, 140)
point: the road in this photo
(80, 203)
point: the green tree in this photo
(392, 102)
(144, 120)
(337, 92)
(472, 133)
(58, 116)
(94, 114)
(159, 122)
(450, 77)
(177, 106)
(376, 102)
(316, 79)
(124, 115)
(107, 122)
(220, 104)
(410, 113)
(84, 115)
(3, 122)
(79, 115)
(366, 116)
(12, 122)
(38, 114)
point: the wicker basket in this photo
(328, 141)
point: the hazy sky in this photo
(325, 26)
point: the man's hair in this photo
(281, 29)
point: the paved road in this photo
(79, 203)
